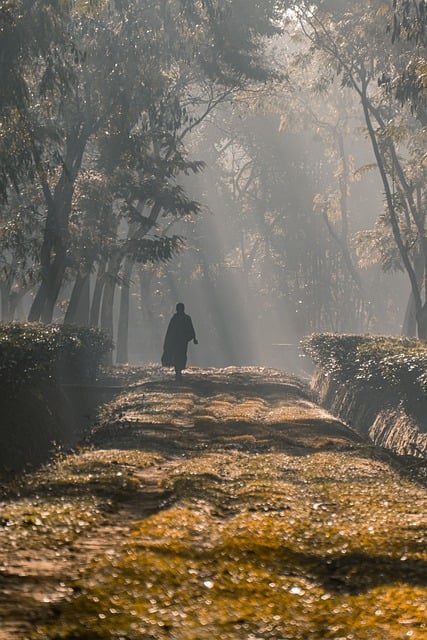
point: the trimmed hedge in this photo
(379, 362)
(32, 352)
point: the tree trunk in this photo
(54, 282)
(78, 306)
(95, 308)
(403, 251)
(151, 335)
(5, 307)
(38, 302)
(107, 306)
(422, 323)
(409, 328)
(16, 307)
(54, 250)
(82, 317)
(122, 356)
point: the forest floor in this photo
(229, 506)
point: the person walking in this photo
(179, 333)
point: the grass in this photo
(267, 522)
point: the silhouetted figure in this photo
(179, 333)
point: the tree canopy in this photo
(113, 112)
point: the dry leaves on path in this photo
(227, 507)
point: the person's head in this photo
(180, 307)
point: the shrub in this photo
(33, 352)
(381, 362)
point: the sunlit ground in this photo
(227, 507)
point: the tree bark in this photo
(78, 306)
(38, 302)
(422, 323)
(404, 254)
(122, 355)
(54, 249)
(95, 307)
(54, 282)
(4, 297)
(409, 328)
(107, 306)
(152, 336)
(82, 317)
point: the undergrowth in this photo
(380, 362)
(31, 353)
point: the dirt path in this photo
(216, 470)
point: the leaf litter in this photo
(228, 507)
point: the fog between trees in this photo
(263, 162)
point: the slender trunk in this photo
(341, 242)
(55, 279)
(82, 317)
(122, 352)
(390, 206)
(14, 302)
(95, 308)
(151, 338)
(38, 302)
(134, 231)
(78, 306)
(422, 314)
(409, 328)
(422, 323)
(122, 356)
(47, 245)
(54, 249)
(107, 306)
(11, 301)
(343, 184)
(417, 216)
(4, 297)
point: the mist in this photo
(257, 178)
(243, 281)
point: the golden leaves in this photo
(249, 543)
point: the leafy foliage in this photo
(158, 248)
(33, 352)
(105, 92)
(352, 40)
(399, 364)
(408, 31)
(32, 43)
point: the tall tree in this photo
(32, 42)
(353, 39)
(121, 77)
(408, 32)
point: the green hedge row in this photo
(397, 364)
(38, 352)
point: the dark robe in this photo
(179, 333)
